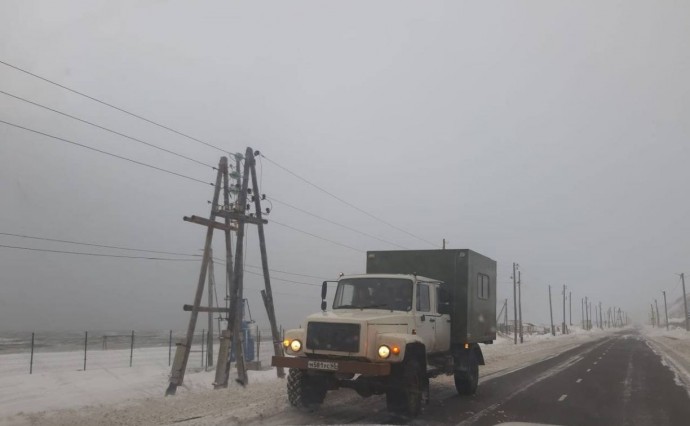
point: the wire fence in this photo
(43, 352)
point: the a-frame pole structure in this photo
(183, 348)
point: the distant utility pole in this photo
(570, 306)
(665, 310)
(685, 303)
(520, 304)
(553, 330)
(658, 317)
(586, 327)
(653, 319)
(564, 330)
(582, 313)
(601, 318)
(444, 244)
(515, 310)
(505, 318)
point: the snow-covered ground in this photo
(110, 392)
(674, 346)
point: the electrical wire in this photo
(284, 280)
(112, 106)
(107, 153)
(316, 236)
(97, 254)
(108, 130)
(217, 259)
(97, 245)
(348, 203)
(336, 223)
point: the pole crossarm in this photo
(242, 217)
(206, 222)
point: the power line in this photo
(218, 260)
(108, 130)
(336, 223)
(112, 106)
(316, 236)
(348, 203)
(97, 254)
(107, 153)
(97, 245)
(284, 280)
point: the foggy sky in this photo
(552, 134)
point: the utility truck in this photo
(414, 315)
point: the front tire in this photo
(405, 393)
(304, 391)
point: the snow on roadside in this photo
(674, 347)
(120, 396)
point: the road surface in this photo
(617, 380)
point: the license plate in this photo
(323, 365)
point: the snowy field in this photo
(111, 393)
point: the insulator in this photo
(268, 210)
(263, 196)
(249, 190)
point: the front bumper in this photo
(356, 367)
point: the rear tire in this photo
(304, 391)
(405, 393)
(466, 381)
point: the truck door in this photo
(442, 329)
(424, 318)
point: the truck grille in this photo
(333, 336)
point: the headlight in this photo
(286, 343)
(384, 351)
(295, 345)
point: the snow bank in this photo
(109, 392)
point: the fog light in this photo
(286, 343)
(395, 350)
(384, 351)
(295, 345)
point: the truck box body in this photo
(470, 279)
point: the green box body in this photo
(473, 311)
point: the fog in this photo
(552, 134)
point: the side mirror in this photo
(324, 290)
(323, 305)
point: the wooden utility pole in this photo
(505, 318)
(515, 309)
(183, 348)
(564, 329)
(519, 283)
(211, 288)
(653, 320)
(665, 309)
(553, 330)
(586, 314)
(685, 303)
(582, 312)
(266, 293)
(570, 306)
(658, 317)
(444, 244)
(601, 317)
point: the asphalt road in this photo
(617, 380)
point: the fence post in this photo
(31, 363)
(86, 338)
(131, 349)
(170, 348)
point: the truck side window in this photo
(482, 286)
(442, 300)
(423, 303)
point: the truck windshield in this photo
(374, 293)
